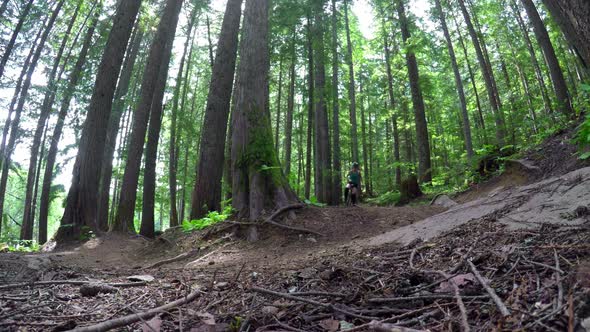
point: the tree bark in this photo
(323, 176)
(26, 230)
(81, 204)
(290, 108)
(28, 220)
(211, 59)
(147, 228)
(458, 82)
(422, 138)
(119, 104)
(207, 191)
(173, 161)
(396, 145)
(278, 116)
(487, 75)
(310, 122)
(364, 134)
(255, 188)
(15, 32)
(73, 80)
(158, 56)
(337, 176)
(559, 84)
(533, 56)
(572, 17)
(351, 88)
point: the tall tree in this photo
(559, 84)
(119, 104)
(81, 204)
(207, 191)
(174, 116)
(67, 95)
(323, 176)
(158, 55)
(458, 80)
(10, 46)
(310, 103)
(28, 220)
(290, 106)
(572, 17)
(487, 75)
(147, 228)
(336, 109)
(422, 138)
(351, 88)
(18, 110)
(258, 184)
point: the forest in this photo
(160, 120)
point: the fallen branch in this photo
(421, 297)
(134, 318)
(316, 303)
(501, 306)
(460, 304)
(69, 282)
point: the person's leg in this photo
(346, 194)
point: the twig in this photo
(69, 282)
(316, 303)
(460, 304)
(545, 265)
(287, 327)
(501, 306)
(421, 297)
(130, 319)
(558, 280)
(318, 294)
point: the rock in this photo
(311, 239)
(307, 273)
(270, 310)
(221, 285)
(444, 201)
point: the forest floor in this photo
(513, 253)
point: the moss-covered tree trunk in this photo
(259, 185)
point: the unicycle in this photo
(352, 197)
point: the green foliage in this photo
(314, 201)
(389, 198)
(212, 218)
(19, 245)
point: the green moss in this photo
(260, 154)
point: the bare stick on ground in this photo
(460, 304)
(134, 318)
(501, 306)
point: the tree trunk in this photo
(147, 228)
(255, 189)
(158, 56)
(364, 137)
(572, 17)
(207, 192)
(458, 82)
(290, 108)
(424, 165)
(487, 75)
(351, 88)
(10, 46)
(73, 80)
(114, 126)
(278, 117)
(534, 61)
(211, 59)
(172, 163)
(559, 85)
(28, 220)
(398, 171)
(26, 230)
(323, 174)
(81, 204)
(310, 122)
(337, 176)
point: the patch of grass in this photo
(211, 219)
(20, 246)
(389, 198)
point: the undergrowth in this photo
(212, 218)
(19, 246)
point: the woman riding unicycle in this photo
(353, 187)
